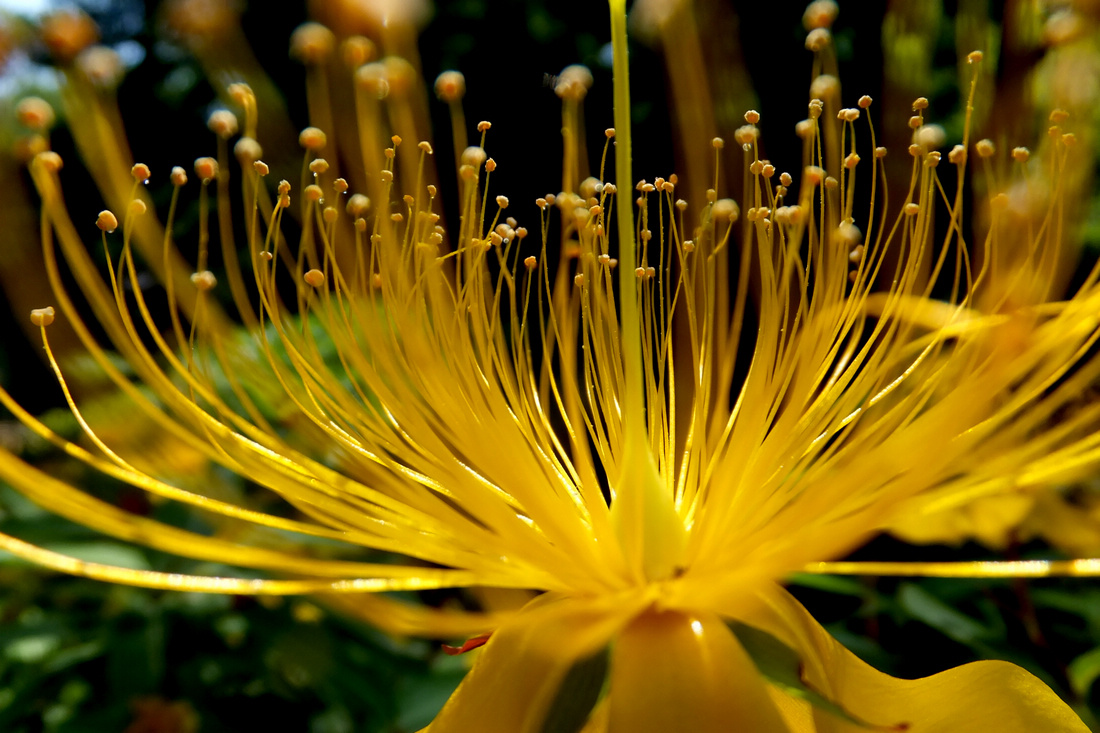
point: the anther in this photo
(284, 187)
(340, 185)
(431, 190)
(831, 183)
(932, 159)
(204, 280)
(42, 317)
(688, 246)
(957, 155)
(639, 272)
(266, 256)
(816, 107)
(222, 123)
(727, 209)
(1069, 139)
(67, 32)
(137, 207)
(314, 278)
(1021, 154)
(818, 39)
(752, 117)
(920, 103)
(312, 138)
(312, 43)
(484, 125)
(880, 152)
(915, 121)
(140, 172)
(851, 161)
(35, 113)
(609, 133)
(814, 175)
(490, 165)
(756, 167)
(107, 221)
(473, 156)
(769, 170)
(573, 82)
(425, 146)
(1058, 115)
(825, 86)
(820, 14)
(929, 136)
(318, 166)
(450, 86)
(247, 150)
(681, 205)
(329, 214)
(974, 57)
(530, 262)
(985, 148)
(578, 279)
(804, 129)
(360, 225)
(397, 218)
(387, 176)
(206, 169)
(178, 176)
(357, 51)
(313, 192)
(371, 79)
(864, 102)
(914, 150)
(911, 209)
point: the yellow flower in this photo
(579, 421)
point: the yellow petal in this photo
(675, 672)
(974, 698)
(521, 668)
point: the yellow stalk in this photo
(642, 510)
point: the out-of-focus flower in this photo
(562, 406)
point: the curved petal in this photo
(674, 672)
(512, 685)
(974, 698)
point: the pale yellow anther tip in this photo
(42, 317)
(314, 278)
(107, 221)
(204, 280)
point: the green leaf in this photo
(925, 607)
(1083, 671)
(782, 667)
